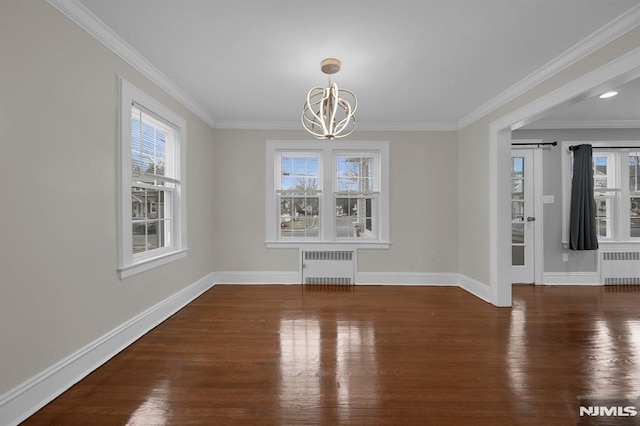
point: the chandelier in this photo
(328, 111)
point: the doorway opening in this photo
(616, 72)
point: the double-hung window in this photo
(327, 192)
(616, 186)
(299, 188)
(151, 219)
(357, 195)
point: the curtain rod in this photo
(574, 147)
(536, 143)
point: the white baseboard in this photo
(27, 398)
(252, 277)
(407, 278)
(571, 278)
(477, 288)
(362, 278)
(474, 287)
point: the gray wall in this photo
(586, 261)
(423, 211)
(59, 287)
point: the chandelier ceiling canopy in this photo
(329, 111)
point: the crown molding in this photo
(89, 22)
(595, 124)
(258, 125)
(85, 19)
(93, 25)
(296, 125)
(409, 127)
(609, 32)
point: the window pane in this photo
(634, 172)
(355, 217)
(634, 192)
(138, 203)
(343, 184)
(517, 210)
(603, 214)
(601, 227)
(299, 166)
(517, 167)
(149, 211)
(517, 233)
(139, 237)
(634, 217)
(149, 203)
(299, 172)
(156, 234)
(299, 216)
(517, 189)
(600, 172)
(149, 144)
(287, 182)
(355, 173)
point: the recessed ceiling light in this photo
(608, 95)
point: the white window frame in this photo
(610, 194)
(130, 263)
(319, 192)
(617, 183)
(327, 150)
(374, 194)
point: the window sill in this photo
(323, 245)
(147, 264)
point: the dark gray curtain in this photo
(582, 226)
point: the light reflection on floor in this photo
(355, 352)
(299, 363)
(600, 360)
(516, 350)
(327, 367)
(155, 409)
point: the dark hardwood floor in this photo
(289, 355)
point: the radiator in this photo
(620, 267)
(328, 267)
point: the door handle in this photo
(531, 219)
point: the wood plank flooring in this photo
(379, 355)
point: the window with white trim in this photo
(151, 213)
(299, 187)
(616, 185)
(356, 195)
(327, 192)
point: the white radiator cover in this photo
(620, 267)
(328, 267)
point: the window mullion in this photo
(328, 201)
(623, 201)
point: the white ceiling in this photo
(620, 111)
(412, 63)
